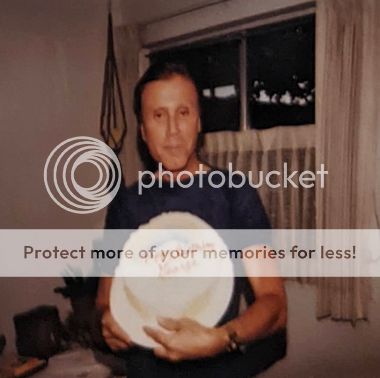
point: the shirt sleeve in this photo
(114, 237)
(249, 216)
(247, 209)
(114, 216)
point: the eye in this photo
(184, 112)
(158, 115)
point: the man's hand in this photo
(112, 333)
(186, 339)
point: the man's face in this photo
(171, 121)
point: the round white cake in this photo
(175, 280)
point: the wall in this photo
(326, 348)
(51, 71)
(51, 77)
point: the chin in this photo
(175, 165)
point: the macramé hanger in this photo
(113, 122)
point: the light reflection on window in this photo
(225, 91)
(206, 93)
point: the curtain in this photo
(267, 150)
(347, 133)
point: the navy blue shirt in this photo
(222, 208)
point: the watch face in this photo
(182, 283)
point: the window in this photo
(275, 63)
(280, 71)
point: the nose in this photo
(172, 125)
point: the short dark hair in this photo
(160, 71)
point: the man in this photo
(167, 107)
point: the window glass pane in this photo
(281, 84)
(215, 68)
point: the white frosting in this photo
(166, 288)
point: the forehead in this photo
(175, 89)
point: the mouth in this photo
(173, 147)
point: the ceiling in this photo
(144, 11)
(124, 11)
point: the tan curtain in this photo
(268, 150)
(347, 127)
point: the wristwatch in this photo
(233, 341)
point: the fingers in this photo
(166, 354)
(113, 342)
(162, 352)
(169, 324)
(157, 335)
(111, 328)
(113, 334)
(187, 323)
(116, 344)
(118, 332)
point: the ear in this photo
(199, 125)
(143, 135)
